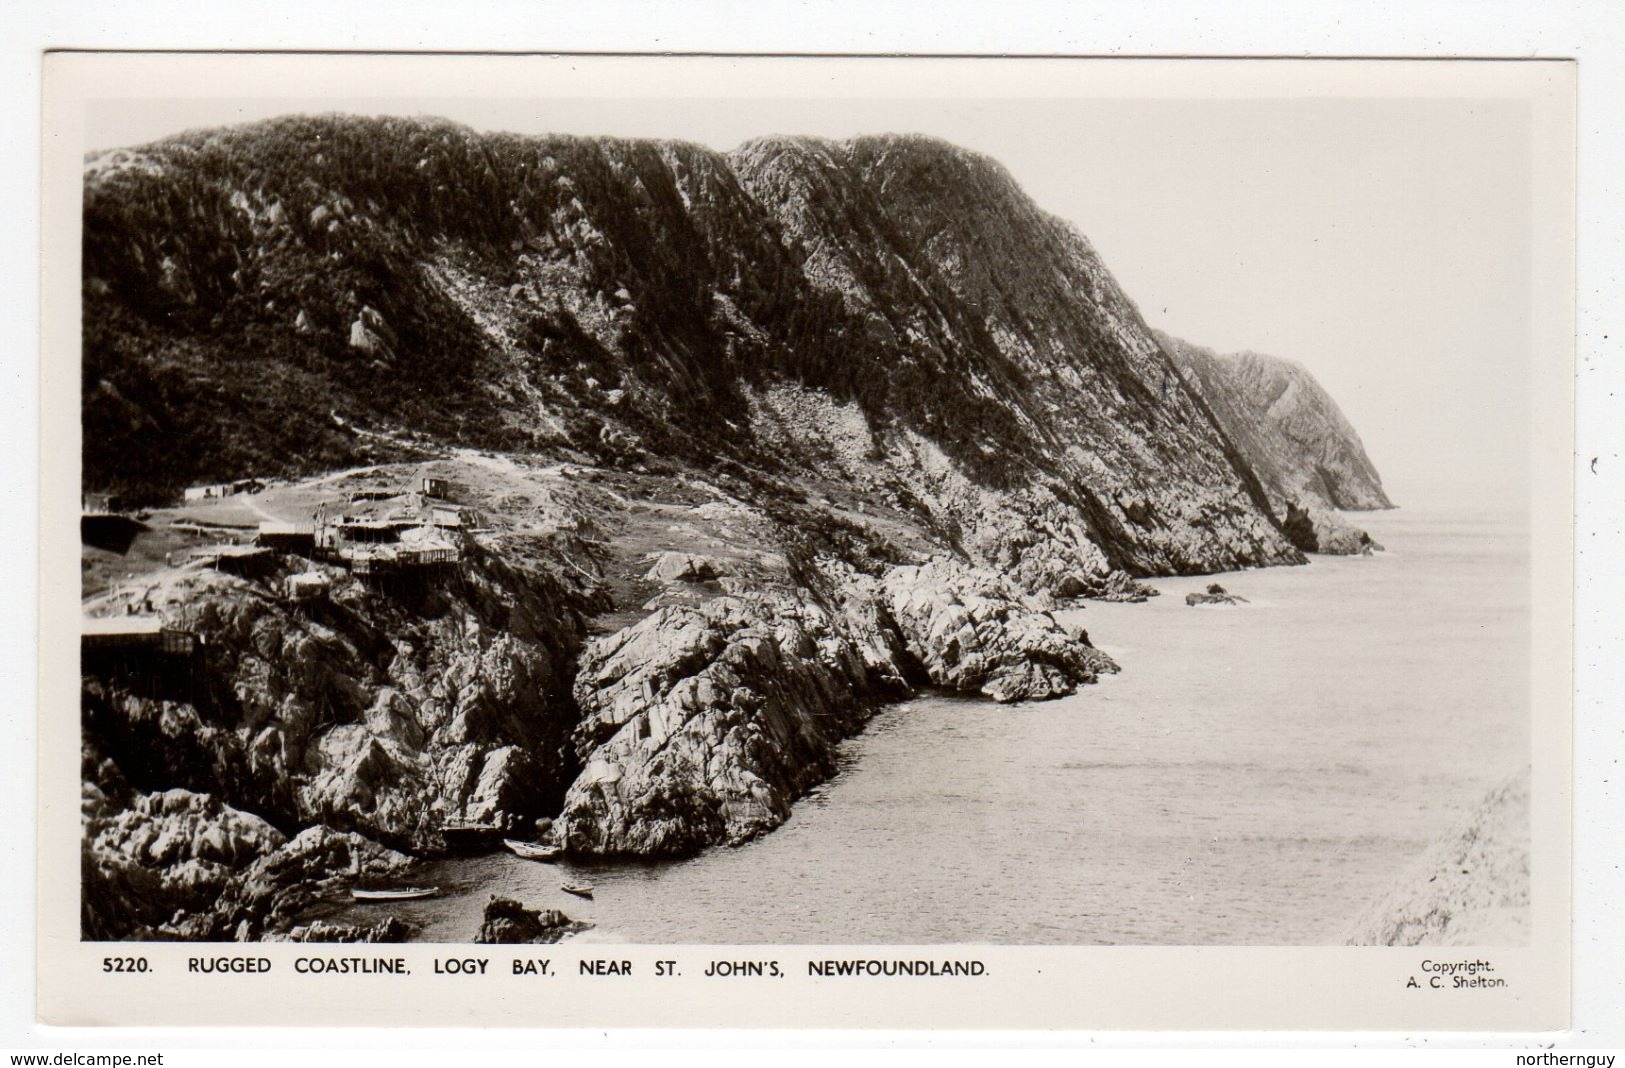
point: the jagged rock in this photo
(372, 335)
(1123, 588)
(372, 714)
(683, 567)
(506, 788)
(389, 929)
(171, 852)
(354, 717)
(1215, 594)
(507, 922)
(180, 865)
(972, 631)
(1316, 530)
(355, 772)
(275, 888)
(701, 724)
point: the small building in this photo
(363, 495)
(307, 586)
(287, 535)
(213, 490)
(372, 531)
(446, 517)
(436, 487)
(425, 555)
(246, 561)
(125, 634)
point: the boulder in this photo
(389, 929)
(506, 787)
(170, 854)
(700, 724)
(273, 890)
(973, 631)
(1314, 529)
(507, 922)
(1215, 594)
(683, 567)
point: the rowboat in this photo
(578, 889)
(397, 893)
(532, 850)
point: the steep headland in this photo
(606, 484)
(1305, 452)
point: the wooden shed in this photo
(133, 633)
(288, 535)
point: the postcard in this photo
(586, 541)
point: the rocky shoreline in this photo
(307, 743)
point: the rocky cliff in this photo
(564, 669)
(892, 311)
(752, 443)
(1306, 454)
(1289, 429)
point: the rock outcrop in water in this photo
(973, 631)
(1214, 594)
(507, 922)
(1316, 530)
(749, 443)
(702, 724)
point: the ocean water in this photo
(1255, 776)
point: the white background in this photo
(1592, 31)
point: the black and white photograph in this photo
(755, 520)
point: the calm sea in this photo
(1255, 776)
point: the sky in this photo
(1382, 243)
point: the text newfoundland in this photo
(923, 968)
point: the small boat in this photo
(532, 850)
(578, 889)
(395, 893)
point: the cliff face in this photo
(265, 299)
(1287, 427)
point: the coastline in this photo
(1197, 774)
